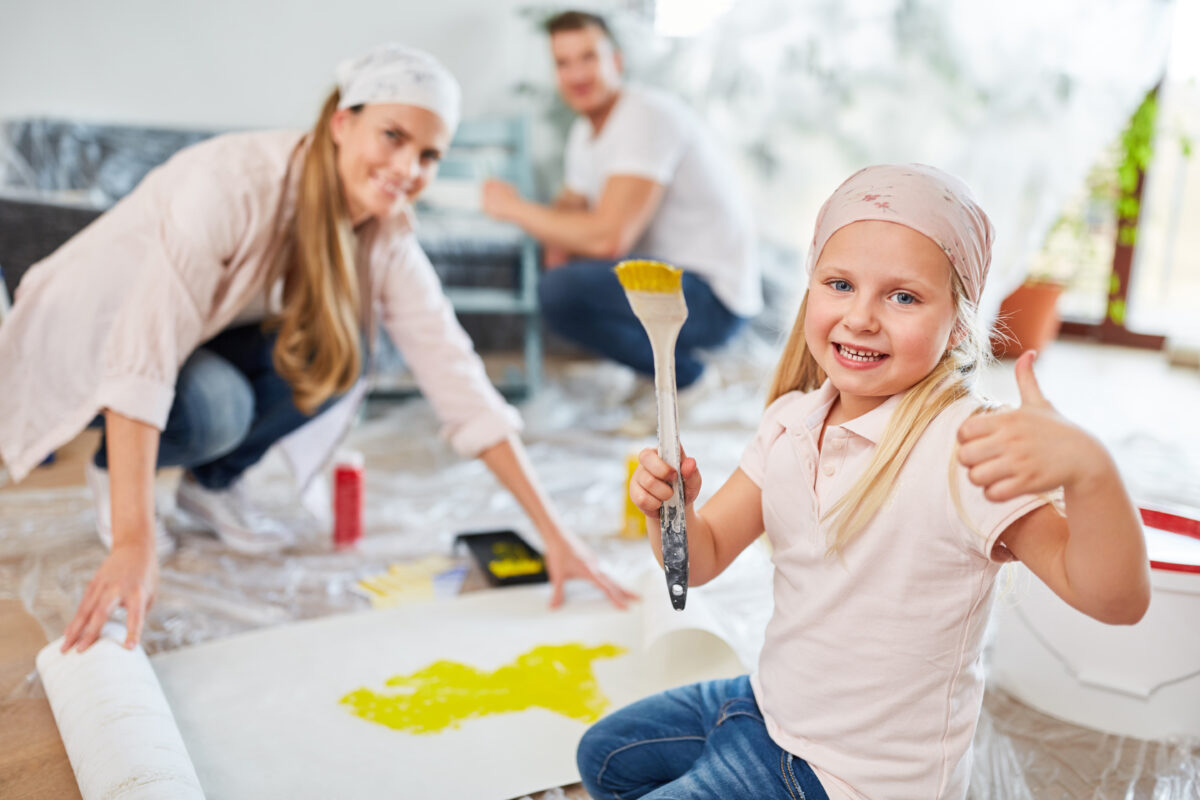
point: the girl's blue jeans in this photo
(230, 406)
(583, 301)
(705, 741)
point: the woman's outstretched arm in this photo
(566, 556)
(128, 576)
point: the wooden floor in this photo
(33, 763)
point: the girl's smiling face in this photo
(880, 312)
(387, 153)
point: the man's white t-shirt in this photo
(703, 223)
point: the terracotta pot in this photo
(1028, 319)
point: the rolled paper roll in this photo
(114, 720)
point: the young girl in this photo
(224, 304)
(890, 505)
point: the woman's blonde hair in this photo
(952, 379)
(318, 348)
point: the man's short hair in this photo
(577, 21)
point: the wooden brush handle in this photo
(672, 519)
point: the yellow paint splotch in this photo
(446, 693)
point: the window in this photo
(1165, 293)
(1151, 288)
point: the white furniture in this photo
(1141, 680)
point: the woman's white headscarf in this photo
(394, 73)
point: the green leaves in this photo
(1116, 311)
(1137, 148)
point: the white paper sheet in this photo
(262, 718)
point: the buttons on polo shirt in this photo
(810, 463)
(829, 469)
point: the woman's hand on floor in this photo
(568, 558)
(127, 577)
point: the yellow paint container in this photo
(634, 526)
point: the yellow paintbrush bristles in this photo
(649, 276)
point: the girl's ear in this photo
(957, 334)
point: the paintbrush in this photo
(655, 292)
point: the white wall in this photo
(241, 63)
(1017, 98)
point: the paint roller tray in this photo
(505, 558)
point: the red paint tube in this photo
(348, 482)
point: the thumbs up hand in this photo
(1026, 450)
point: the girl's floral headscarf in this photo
(929, 201)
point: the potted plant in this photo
(1077, 246)
(1028, 318)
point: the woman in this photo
(224, 304)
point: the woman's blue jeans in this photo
(230, 406)
(706, 741)
(583, 301)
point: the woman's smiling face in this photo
(387, 153)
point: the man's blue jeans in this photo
(583, 301)
(230, 407)
(706, 741)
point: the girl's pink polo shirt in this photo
(871, 669)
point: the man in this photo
(643, 179)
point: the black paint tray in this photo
(505, 558)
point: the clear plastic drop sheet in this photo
(580, 430)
